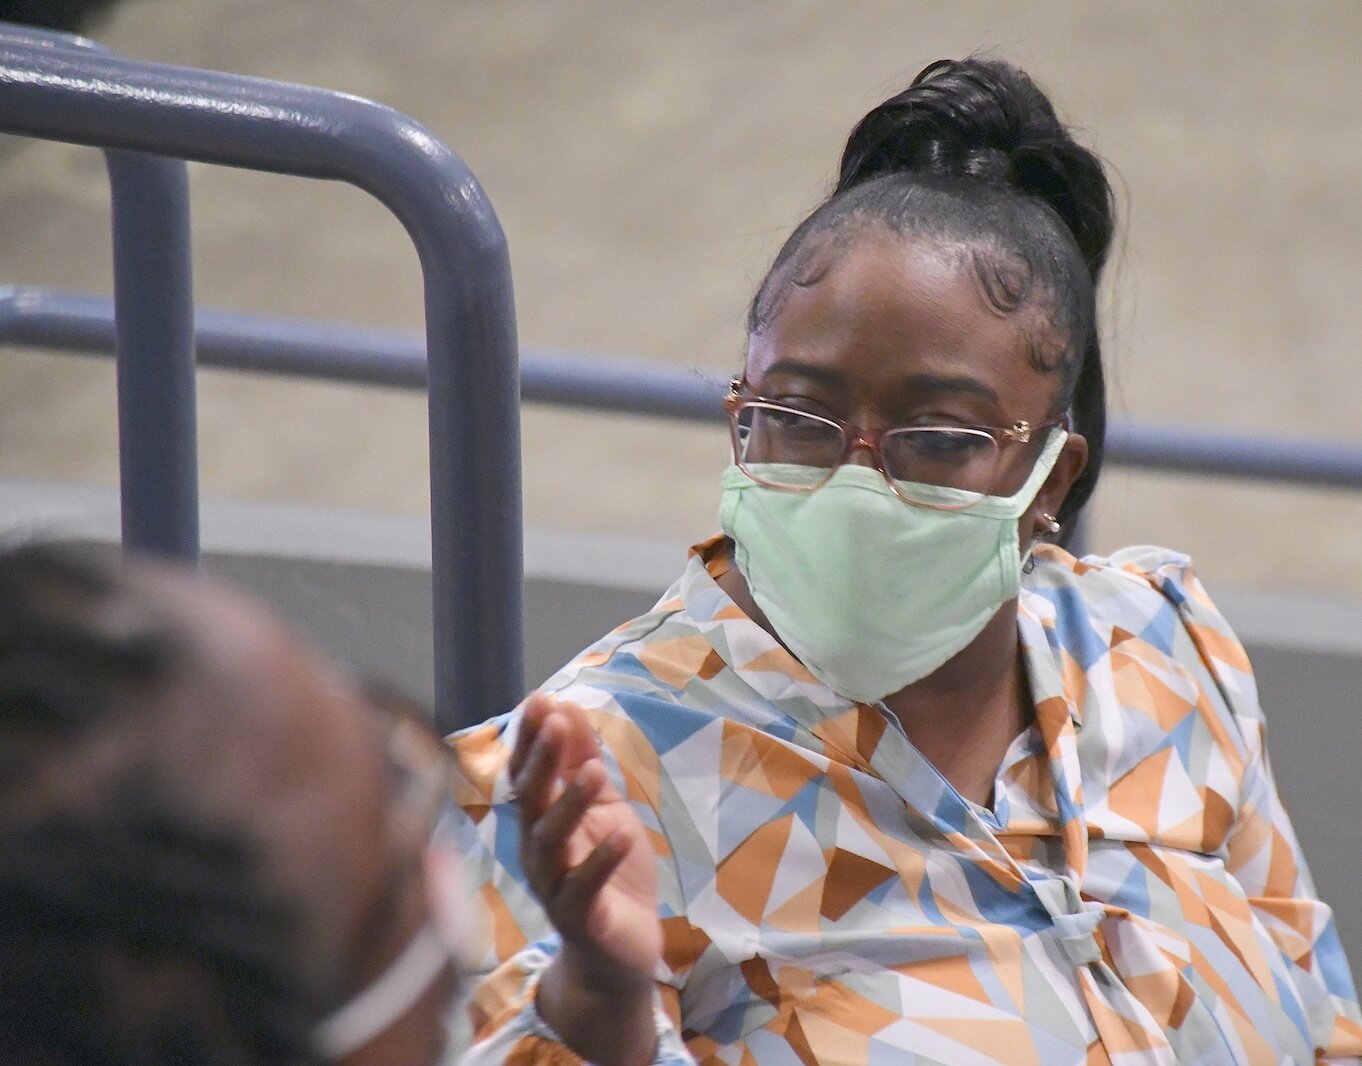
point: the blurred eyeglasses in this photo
(421, 770)
(785, 448)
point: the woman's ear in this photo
(1073, 459)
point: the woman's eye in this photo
(790, 419)
(941, 444)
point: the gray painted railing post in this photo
(154, 301)
(154, 320)
(470, 317)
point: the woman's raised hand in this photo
(588, 860)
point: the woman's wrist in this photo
(603, 1013)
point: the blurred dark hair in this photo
(972, 153)
(133, 928)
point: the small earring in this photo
(1051, 523)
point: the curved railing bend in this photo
(154, 335)
(131, 106)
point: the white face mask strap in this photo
(390, 996)
(1035, 481)
(1045, 462)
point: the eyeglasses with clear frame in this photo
(783, 447)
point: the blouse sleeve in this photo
(1266, 858)
(505, 1024)
(508, 1029)
(1263, 853)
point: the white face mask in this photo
(379, 1006)
(449, 938)
(870, 593)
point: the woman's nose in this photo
(863, 451)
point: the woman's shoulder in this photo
(1149, 593)
(1142, 589)
(1140, 573)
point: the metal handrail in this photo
(82, 324)
(110, 102)
(154, 301)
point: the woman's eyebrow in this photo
(810, 371)
(936, 384)
(925, 384)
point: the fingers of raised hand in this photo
(578, 889)
(579, 739)
(546, 838)
(575, 739)
(535, 779)
(537, 708)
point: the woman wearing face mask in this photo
(903, 779)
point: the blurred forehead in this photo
(882, 310)
(290, 715)
(273, 736)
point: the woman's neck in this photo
(965, 715)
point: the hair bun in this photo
(987, 164)
(986, 120)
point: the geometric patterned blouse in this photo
(1136, 894)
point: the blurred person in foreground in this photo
(214, 849)
(889, 776)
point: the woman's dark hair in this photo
(972, 154)
(134, 928)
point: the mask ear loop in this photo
(389, 998)
(451, 936)
(1050, 524)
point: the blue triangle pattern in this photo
(1133, 892)
(742, 811)
(664, 723)
(1182, 735)
(1161, 629)
(1072, 627)
(804, 803)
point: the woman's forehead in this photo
(883, 309)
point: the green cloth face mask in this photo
(872, 594)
